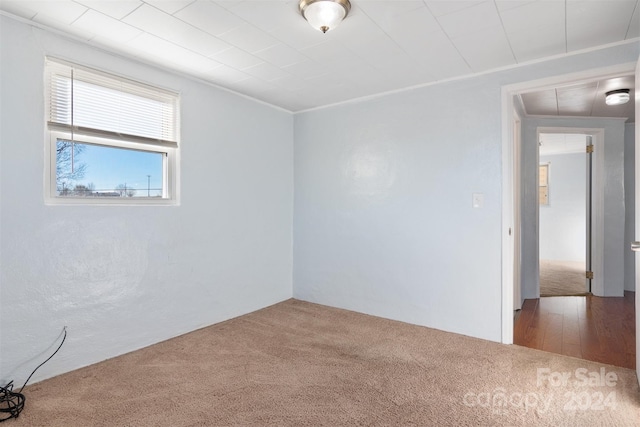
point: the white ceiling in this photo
(266, 50)
(582, 99)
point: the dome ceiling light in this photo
(324, 15)
(617, 97)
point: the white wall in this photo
(613, 190)
(383, 217)
(563, 221)
(122, 278)
(630, 208)
(383, 220)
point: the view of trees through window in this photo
(91, 170)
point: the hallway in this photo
(586, 327)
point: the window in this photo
(544, 184)
(111, 140)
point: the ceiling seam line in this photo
(504, 30)
(389, 37)
(449, 38)
(186, 23)
(232, 46)
(139, 6)
(211, 57)
(626, 34)
(595, 97)
(154, 35)
(75, 20)
(242, 70)
(243, 50)
(566, 30)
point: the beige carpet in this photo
(562, 278)
(301, 364)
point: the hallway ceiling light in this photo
(617, 97)
(324, 15)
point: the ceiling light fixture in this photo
(617, 97)
(324, 15)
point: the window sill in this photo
(106, 201)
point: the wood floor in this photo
(586, 327)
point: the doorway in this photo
(623, 306)
(510, 174)
(564, 198)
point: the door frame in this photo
(517, 194)
(637, 236)
(595, 218)
(509, 221)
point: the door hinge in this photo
(590, 148)
(590, 275)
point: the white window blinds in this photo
(91, 102)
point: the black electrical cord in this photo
(12, 402)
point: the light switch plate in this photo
(478, 200)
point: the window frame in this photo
(54, 132)
(169, 181)
(547, 166)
